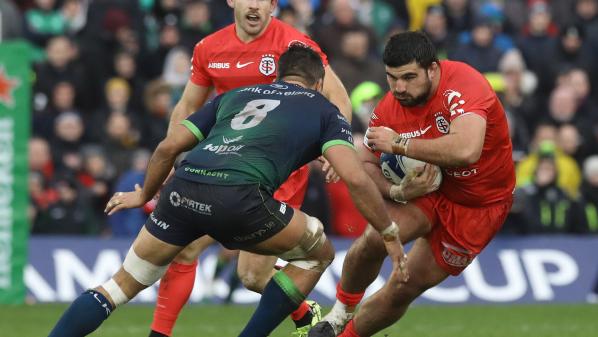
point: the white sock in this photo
(338, 317)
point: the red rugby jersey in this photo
(462, 90)
(225, 62)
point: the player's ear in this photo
(431, 70)
(231, 3)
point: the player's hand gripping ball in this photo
(396, 167)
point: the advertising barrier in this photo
(15, 91)
(510, 270)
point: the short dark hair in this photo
(301, 61)
(404, 48)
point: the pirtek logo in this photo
(218, 65)
(177, 201)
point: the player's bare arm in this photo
(336, 93)
(369, 201)
(160, 164)
(460, 147)
(194, 96)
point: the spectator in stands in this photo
(158, 103)
(435, 26)
(10, 21)
(479, 51)
(302, 11)
(195, 24)
(120, 141)
(459, 15)
(59, 67)
(170, 37)
(355, 64)
(43, 22)
(537, 44)
(377, 14)
(569, 140)
(571, 51)
(70, 214)
(40, 158)
(177, 69)
(96, 177)
(74, 14)
(62, 100)
(548, 207)
(127, 223)
(586, 12)
(118, 96)
(125, 67)
(515, 93)
(343, 19)
(67, 141)
(364, 98)
(568, 172)
(589, 197)
(41, 196)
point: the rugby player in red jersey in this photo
(444, 113)
(243, 53)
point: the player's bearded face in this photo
(253, 15)
(409, 84)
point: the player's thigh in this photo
(145, 262)
(251, 264)
(192, 251)
(413, 222)
(286, 239)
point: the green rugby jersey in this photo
(261, 134)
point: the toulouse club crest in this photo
(267, 64)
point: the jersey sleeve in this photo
(376, 119)
(468, 93)
(199, 74)
(336, 130)
(201, 122)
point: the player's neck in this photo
(246, 38)
(296, 81)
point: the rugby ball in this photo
(396, 167)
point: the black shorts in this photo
(236, 216)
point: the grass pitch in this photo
(420, 321)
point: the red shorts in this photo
(459, 233)
(293, 190)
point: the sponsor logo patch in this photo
(177, 200)
(455, 256)
(158, 223)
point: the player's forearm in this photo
(373, 170)
(368, 201)
(451, 150)
(158, 169)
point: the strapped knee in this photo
(313, 238)
(117, 295)
(142, 271)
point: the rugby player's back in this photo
(260, 134)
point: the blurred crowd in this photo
(108, 73)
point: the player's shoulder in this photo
(460, 71)
(217, 37)
(288, 33)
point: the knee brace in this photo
(116, 293)
(143, 271)
(312, 239)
